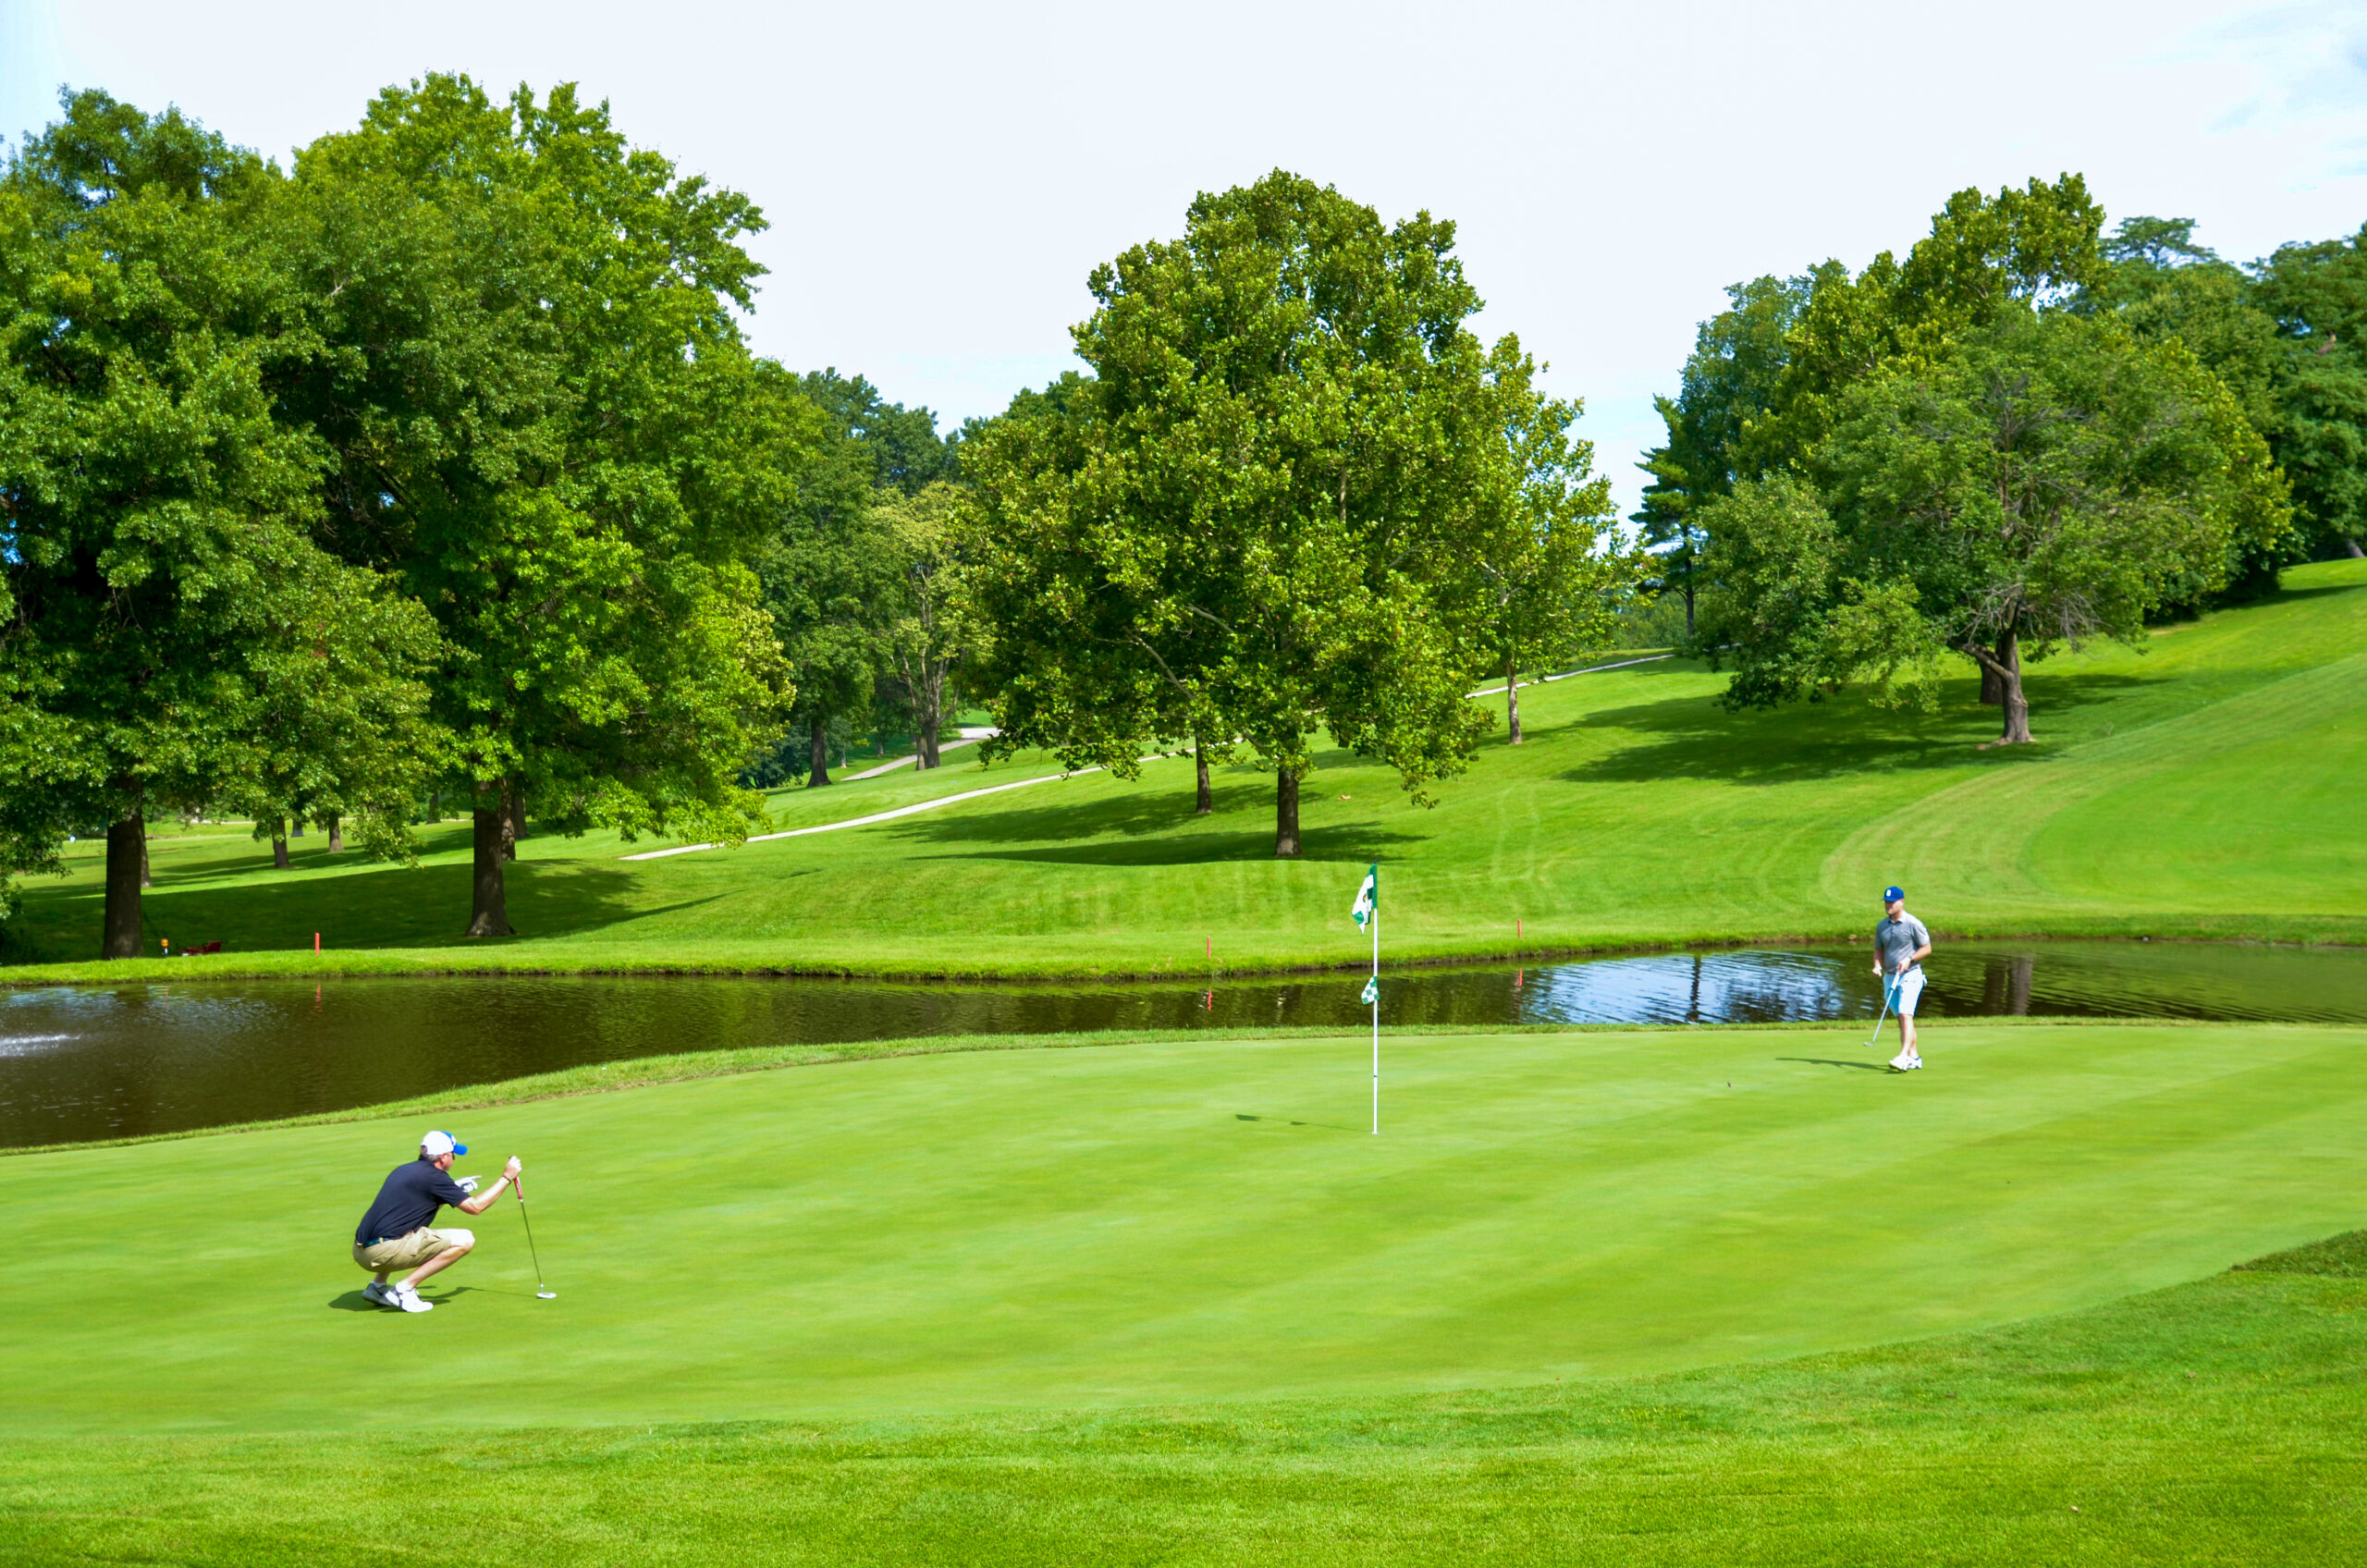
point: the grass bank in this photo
(2200, 788)
(2214, 1423)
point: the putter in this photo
(1887, 983)
(540, 1289)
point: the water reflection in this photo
(93, 1062)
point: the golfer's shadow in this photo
(354, 1301)
(1831, 1062)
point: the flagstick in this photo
(1376, 1018)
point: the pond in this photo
(80, 1062)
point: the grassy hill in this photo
(1008, 1307)
(2203, 787)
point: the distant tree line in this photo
(434, 468)
(2025, 434)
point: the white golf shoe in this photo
(1903, 1062)
(379, 1293)
(410, 1299)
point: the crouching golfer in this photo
(395, 1234)
(1901, 944)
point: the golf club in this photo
(540, 1289)
(1887, 983)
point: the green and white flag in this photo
(1372, 991)
(1367, 902)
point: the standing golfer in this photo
(1901, 944)
(395, 1234)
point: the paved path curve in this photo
(1022, 783)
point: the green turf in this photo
(2205, 787)
(2216, 1423)
(1187, 1220)
(1168, 1302)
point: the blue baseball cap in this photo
(1890, 896)
(435, 1145)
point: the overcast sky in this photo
(940, 178)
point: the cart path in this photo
(1021, 783)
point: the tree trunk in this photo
(2350, 547)
(126, 847)
(1285, 814)
(279, 845)
(2009, 655)
(334, 825)
(2009, 678)
(1511, 698)
(513, 811)
(932, 717)
(1206, 801)
(296, 828)
(819, 774)
(1688, 608)
(490, 913)
(145, 879)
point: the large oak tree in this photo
(1258, 500)
(172, 631)
(548, 428)
(2036, 483)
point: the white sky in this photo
(941, 177)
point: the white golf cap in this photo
(435, 1145)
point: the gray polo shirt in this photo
(1896, 939)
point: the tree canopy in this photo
(168, 608)
(2317, 295)
(547, 429)
(2016, 438)
(830, 572)
(1255, 520)
(2045, 481)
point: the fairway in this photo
(2200, 787)
(1195, 1220)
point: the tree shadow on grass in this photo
(174, 861)
(1354, 842)
(2316, 591)
(1147, 825)
(388, 906)
(1694, 737)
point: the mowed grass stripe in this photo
(2218, 1422)
(2211, 787)
(1057, 1229)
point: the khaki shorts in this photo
(410, 1252)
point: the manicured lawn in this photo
(2205, 788)
(1169, 1302)
(1186, 1220)
(2214, 1423)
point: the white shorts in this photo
(1906, 990)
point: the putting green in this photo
(1187, 1220)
